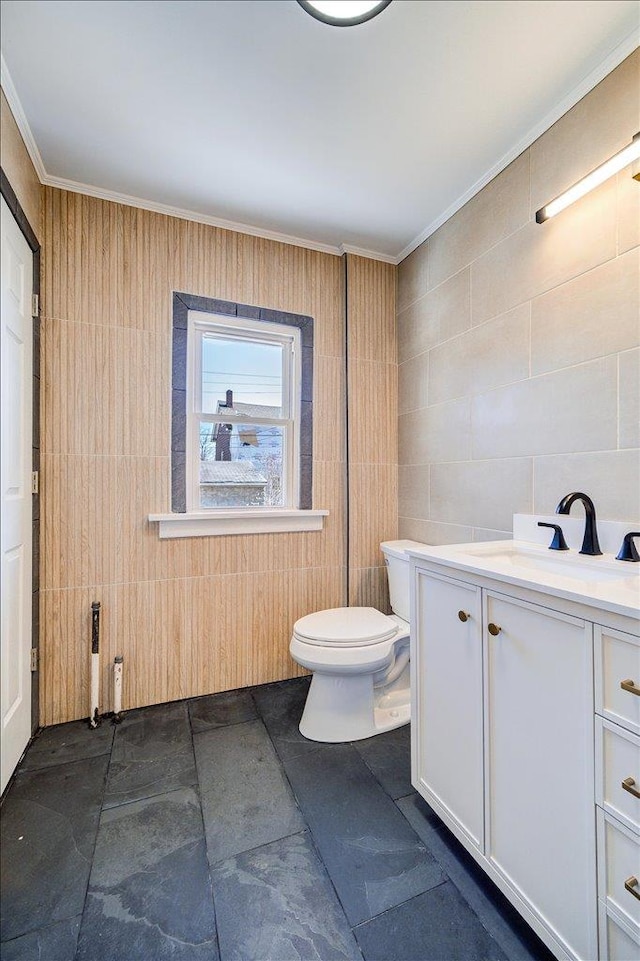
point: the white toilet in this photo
(360, 661)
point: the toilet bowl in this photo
(360, 662)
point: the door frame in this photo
(21, 219)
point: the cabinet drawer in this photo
(618, 862)
(617, 943)
(617, 663)
(618, 772)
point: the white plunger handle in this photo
(95, 688)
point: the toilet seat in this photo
(345, 627)
(354, 640)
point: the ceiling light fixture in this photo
(344, 13)
(592, 180)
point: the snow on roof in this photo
(250, 410)
(230, 472)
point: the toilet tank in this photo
(397, 562)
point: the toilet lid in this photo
(348, 626)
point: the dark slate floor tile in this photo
(276, 902)
(246, 800)
(373, 857)
(68, 742)
(438, 925)
(281, 706)
(49, 824)
(500, 918)
(388, 757)
(150, 892)
(219, 710)
(56, 942)
(152, 753)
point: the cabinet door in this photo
(540, 782)
(446, 670)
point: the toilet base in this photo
(342, 708)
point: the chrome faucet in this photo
(590, 543)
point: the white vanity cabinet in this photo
(502, 743)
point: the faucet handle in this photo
(558, 543)
(629, 551)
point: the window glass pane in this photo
(242, 375)
(241, 465)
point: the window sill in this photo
(215, 523)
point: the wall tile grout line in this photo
(546, 290)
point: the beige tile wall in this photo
(518, 342)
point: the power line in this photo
(211, 386)
(240, 373)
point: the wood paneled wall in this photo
(190, 616)
(372, 372)
(16, 163)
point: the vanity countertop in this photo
(600, 582)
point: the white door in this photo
(16, 346)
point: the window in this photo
(241, 421)
(243, 413)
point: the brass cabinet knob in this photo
(629, 686)
(494, 630)
(629, 785)
(463, 616)
(631, 885)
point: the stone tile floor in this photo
(211, 829)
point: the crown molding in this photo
(20, 118)
(369, 254)
(111, 195)
(615, 58)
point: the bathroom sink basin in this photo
(591, 569)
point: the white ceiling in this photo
(252, 114)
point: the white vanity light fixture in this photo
(344, 13)
(622, 159)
